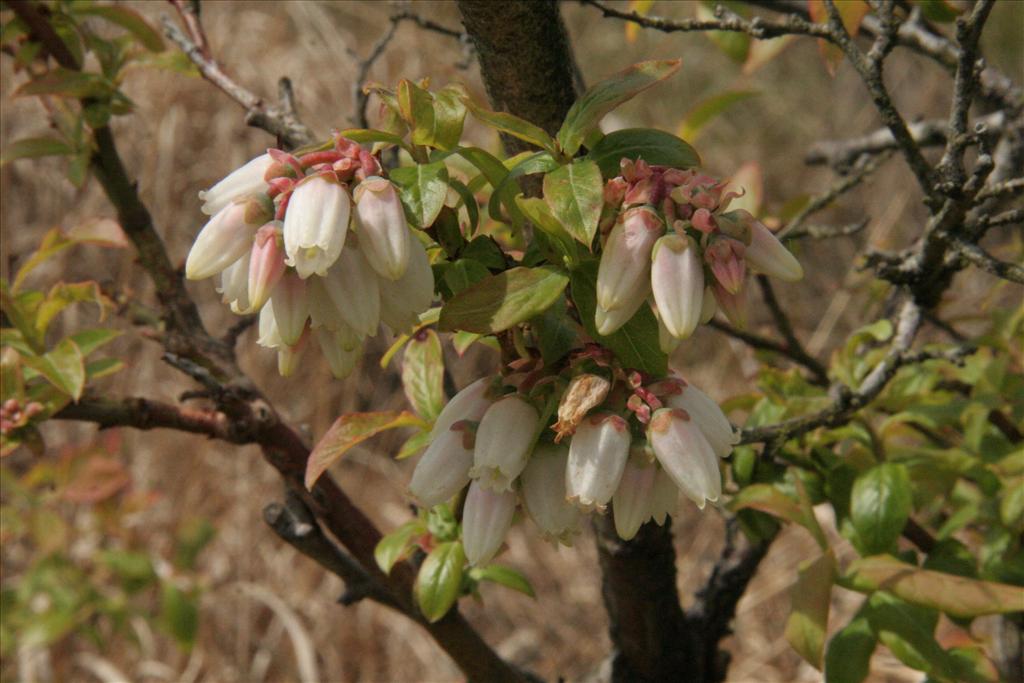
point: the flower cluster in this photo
(673, 241)
(13, 414)
(632, 442)
(318, 244)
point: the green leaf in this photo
(33, 148)
(364, 135)
(651, 145)
(941, 11)
(848, 658)
(127, 19)
(21, 313)
(811, 596)
(539, 213)
(706, 110)
(63, 366)
(423, 374)
(91, 340)
(555, 332)
(63, 294)
(193, 535)
(439, 580)
(503, 300)
(957, 596)
(575, 194)
(508, 189)
(179, 614)
(907, 631)
(506, 576)
(733, 44)
(513, 125)
(635, 344)
(880, 505)
(768, 498)
(349, 430)
(133, 569)
(464, 273)
(423, 189)
(396, 545)
(591, 107)
(67, 83)
(414, 444)
(435, 119)
(495, 172)
(469, 201)
(102, 367)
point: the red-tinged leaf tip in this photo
(349, 430)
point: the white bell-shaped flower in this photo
(352, 286)
(486, 518)
(226, 237)
(503, 441)
(315, 224)
(543, 491)
(686, 455)
(469, 404)
(597, 456)
(677, 281)
(383, 231)
(249, 179)
(624, 271)
(633, 499)
(443, 469)
(291, 307)
(709, 418)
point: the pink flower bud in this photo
(352, 287)
(315, 224)
(767, 255)
(469, 404)
(685, 454)
(341, 355)
(486, 519)
(291, 307)
(624, 272)
(383, 231)
(543, 483)
(732, 305)
(725, 256)
(266, 264)
(633, 499)
(234, 288)
(249, 179)
(677, 280)
(709, 418)
(443, 469)
(226, 237)
(503, 441)
(597, 456)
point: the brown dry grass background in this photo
(186, 134)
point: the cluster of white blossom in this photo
(318, 244)
(668, 227)
(636, 444)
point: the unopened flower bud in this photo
(266, 264)
(341, 355)
(443, 469)
(707, 306)
(249, 179)
(227, 236)
(624, 272)
(631, 504)
(543, 483)
(725, 256)
(234, 287)
(486, 519)
(708, 416)
(608, 322)
(732, 305)
(291, 307)
(469, 404)
(352, 286)
(664, 498)
(767, 255)
(686, 455)
(404, 299)
(315, 224)
(503, 442)
(597, 456)
(382, 228)
(677, 280)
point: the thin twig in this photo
(824, 232)
(982, 259)
(762, 343)
(785, 328)
(864, 166)
(279, 120)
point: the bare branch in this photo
(864, 166)
(824, 232)
(724, 20)
(279, 120)
(145, 414)
(295, 524)
(982, 259)
(363, 66)
(1007, 188)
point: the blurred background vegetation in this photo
(146, 554)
